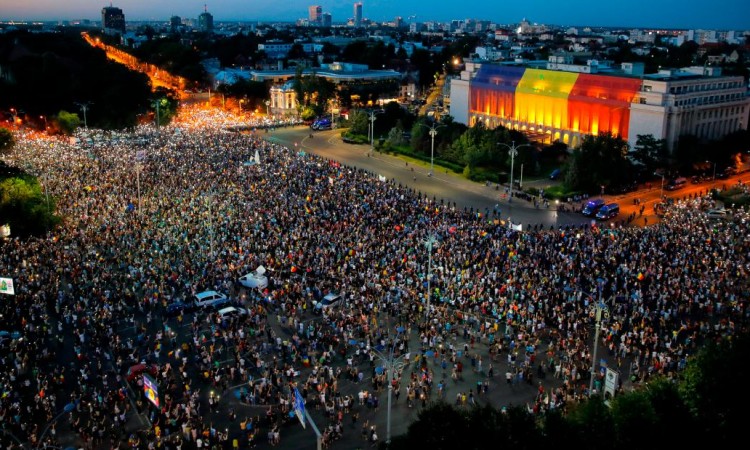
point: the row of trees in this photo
(705, 405)
(48, 78)
(602, 161)
(23, 203)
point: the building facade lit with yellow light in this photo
(565, 102)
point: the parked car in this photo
(592, 207)
(322, 124)
(719, 213)
(231, 312)
(608, 211)
(675, 184)
(208, 298)
(139, 369)
(328, 301)
(9, 336)
(255, 279)
(178, 307)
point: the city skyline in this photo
(679, 14)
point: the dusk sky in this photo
(723, 14)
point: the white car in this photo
(329, 301)
(231, 311)
(717, 213)
(256, 279)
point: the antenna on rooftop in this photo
(205, 8)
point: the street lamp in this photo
(268, 103)
(390, 364)
(157, 103)
(600, 309)
(513, 152)
(45, 122)
(714, 164)
(372, 127)
(84, 107)
(429, 242)
(661, 193)
(433, 132)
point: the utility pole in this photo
(390, 364)
(372, 126)
(429, 242)
(513, 152)
(433, 132)
(84, 107)
(601, 308)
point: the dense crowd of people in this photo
(152, 217)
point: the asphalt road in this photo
(441, 185)
(454, 188)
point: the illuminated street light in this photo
(433, 133)
(429, 243)
(513, 152)
(84, 107)
(372, 127)
(390, 364)
(268, 103)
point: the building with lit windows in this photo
(113, 20)
(358, 14)
(206, 22)
(315, 15)
(568, 104)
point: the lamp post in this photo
(661, 193)
(714, 164)
(433, 132)
(429, 242)
(372, 127)
(599, 310)
(390, 364)
(84, 107)
(157, 103)
(45, 121)
(268, 103)
(513, 152)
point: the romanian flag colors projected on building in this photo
(548, 100)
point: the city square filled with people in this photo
(153, 216)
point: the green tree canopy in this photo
(600, 161)
(7, 141)
(67, 121)
(24, 207)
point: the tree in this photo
(358, 124)
(635, 419)
(396, 135)
(438, 426)
(592, 422)
(650, 152)
(67, 121)
(600, 161)
(713, 392)
(24, 207)
(7, 141)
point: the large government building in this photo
(558, 100)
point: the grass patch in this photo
(733, 198)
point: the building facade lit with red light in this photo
(552, 105)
